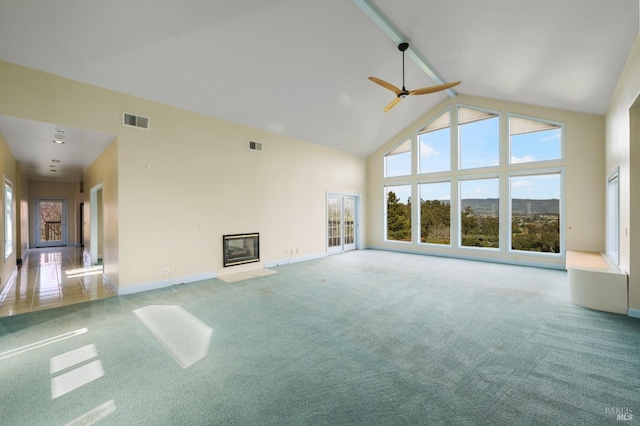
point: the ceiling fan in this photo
(401, 94)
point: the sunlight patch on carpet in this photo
(184, 336)
(74, 379)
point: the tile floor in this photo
(52, 277)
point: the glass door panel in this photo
(341, 223)
(51, 223)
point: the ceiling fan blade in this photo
(433, 89)
(386, 85)
(392, 104)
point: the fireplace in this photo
(240, 248)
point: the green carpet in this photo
(363, 338)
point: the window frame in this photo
(468, 178)
(386, 155)
(386, 214)
(458, 161)
(452, 222)
(612, 229)
(451, 168)
(560, 124)
(561, 218)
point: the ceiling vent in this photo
(255, 146)
(133, 120)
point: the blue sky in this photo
(538, 187)
(398, 165)
(480, 188)
(479, 147)
(435, 191)
(536, 146)
(480, 143)
(435, 151)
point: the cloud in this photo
(428, 151)
(525, 159)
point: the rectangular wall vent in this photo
(256, 146)
(135, 120)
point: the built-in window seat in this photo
(596, 282)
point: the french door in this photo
(51, 222)
(341, 223)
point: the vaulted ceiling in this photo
(300, 68)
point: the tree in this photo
(398, 218)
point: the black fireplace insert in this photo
(240, 248)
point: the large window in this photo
(398, 213)
(479, 135)
(435, 213)
(480, 213)
(397, 162)
(434, 144)
(486, 183)
(535, 212)
(534, 140)
(8, 218)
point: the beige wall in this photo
(104, 171)
(189, 180)
(623, 150)
(8, 170)
(584, 153)
(56, 190)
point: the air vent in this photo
(135, 121)
(255, 146)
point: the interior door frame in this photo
(64, 222)
(96, 225)
(356, 216)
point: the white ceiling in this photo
(300, 68)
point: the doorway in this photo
(96, 241)
(341, 223)
(50, 222)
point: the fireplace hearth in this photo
(240, 248)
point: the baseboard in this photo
(155, 285)
(634, 313)
(294, 259)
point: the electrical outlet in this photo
(167, 270)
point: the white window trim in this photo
(534, 163)
(452, 226)
(417, 137)
(411, 138)
(458, 158)
(536, 172)
(613, 255)
(385, 218)
(501, 242)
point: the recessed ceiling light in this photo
(55, 161)
(58, 141)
